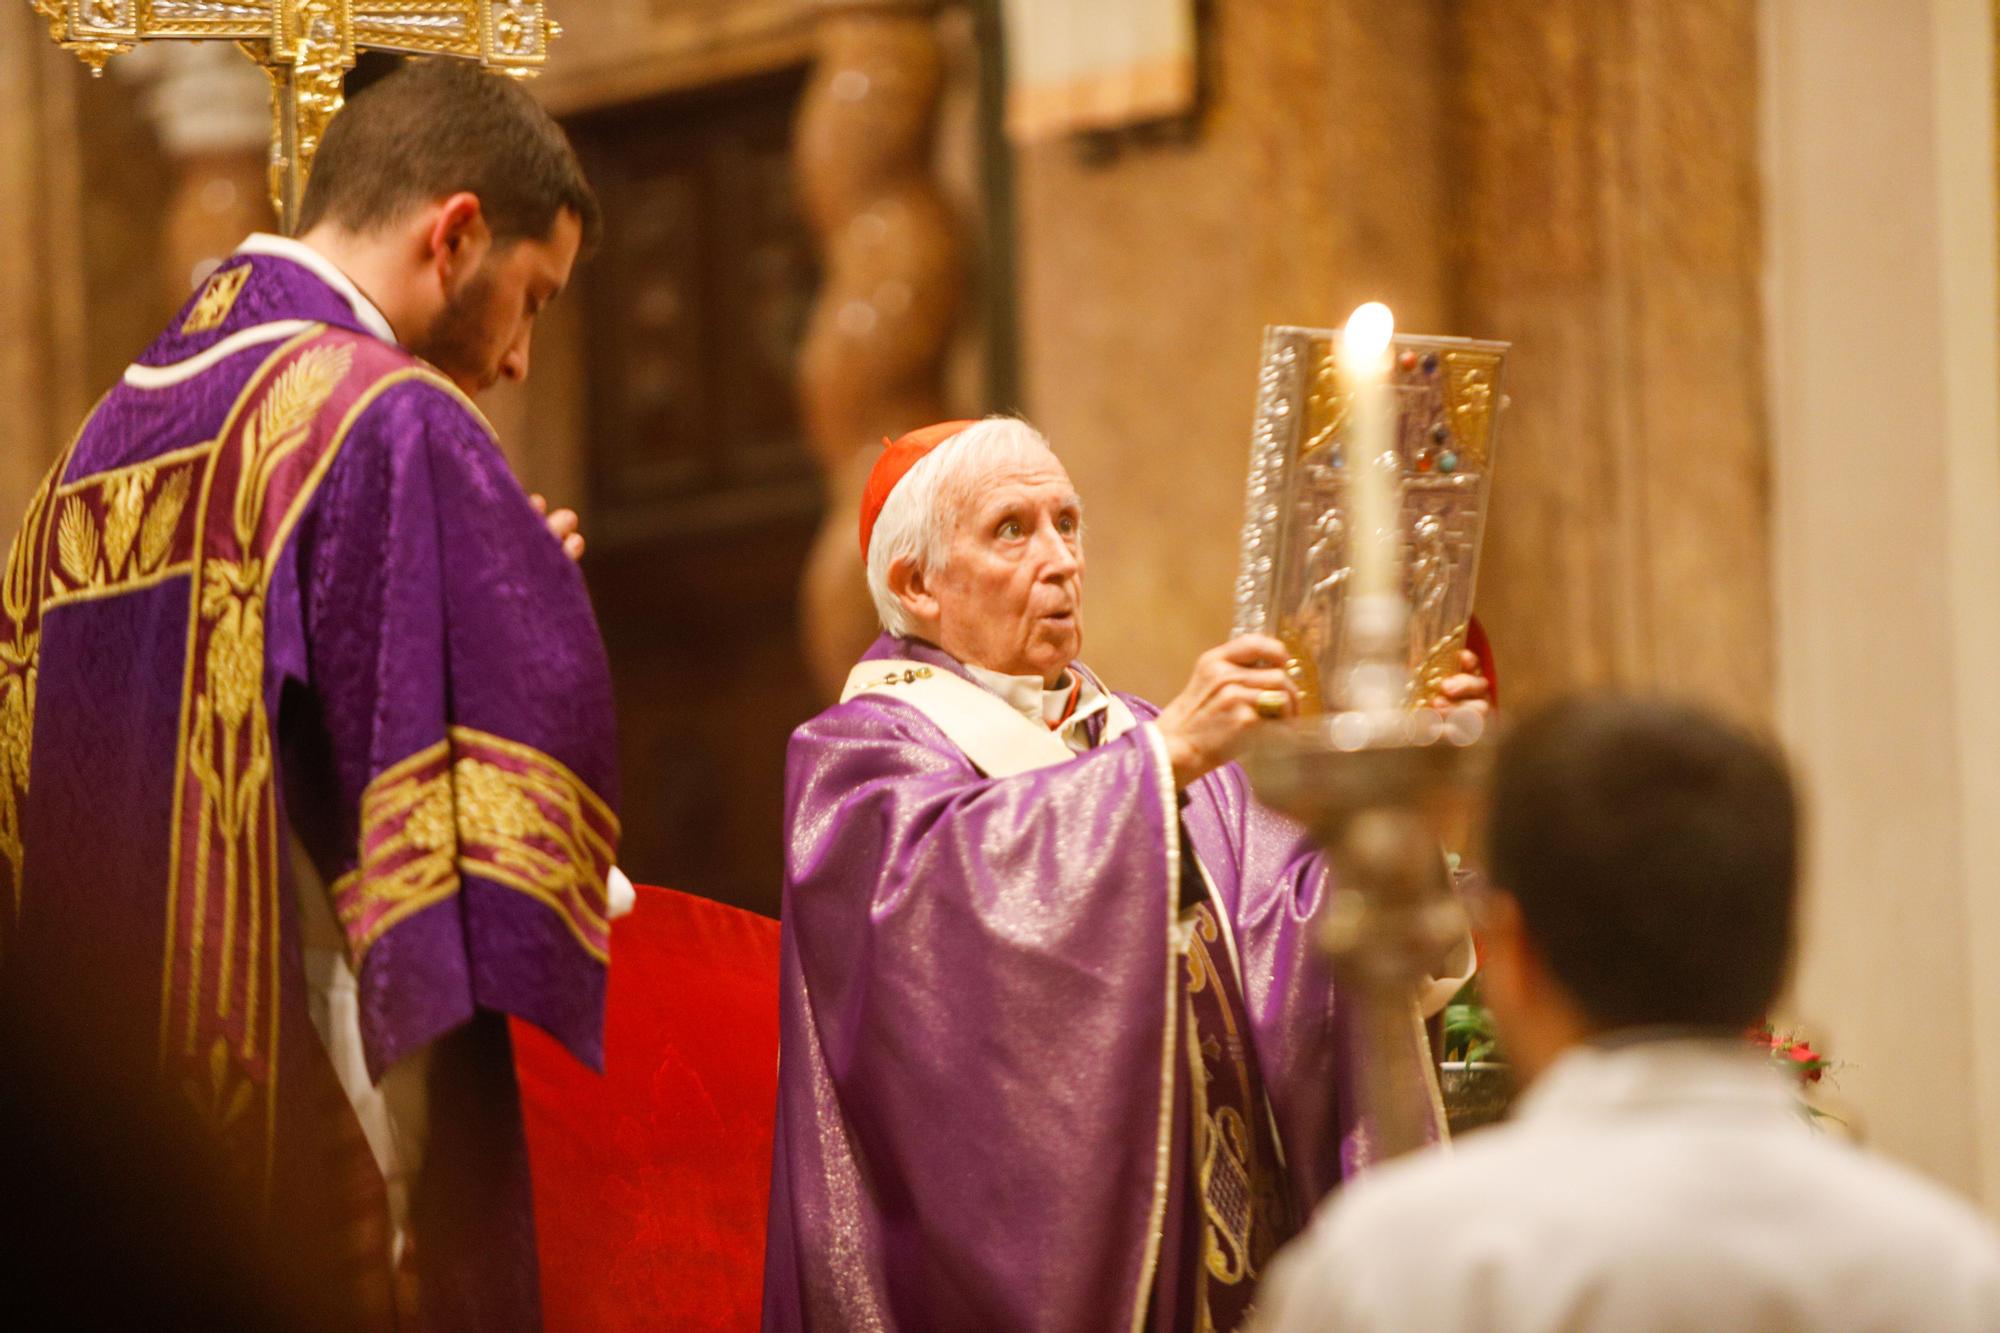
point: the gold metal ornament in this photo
(1297, 550)
(306, 46)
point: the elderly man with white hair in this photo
(1055, 1050)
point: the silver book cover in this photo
(1295, 561)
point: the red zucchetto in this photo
(898, 457)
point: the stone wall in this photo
(1577, 178)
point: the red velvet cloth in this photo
(1481, 647)
(651, 1182)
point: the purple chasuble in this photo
(282, 599)
(987, 1105)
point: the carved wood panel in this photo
(695, 310)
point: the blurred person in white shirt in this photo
(1657, 1173)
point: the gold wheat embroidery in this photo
(124, 510)
(220, 992)
(156, 535)
(17, 594)
(230, 756)
(20, 656)
(132, 517)
(76, 543)
(282, 424)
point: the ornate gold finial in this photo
(305, 46)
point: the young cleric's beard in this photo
(459, 337)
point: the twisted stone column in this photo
(873, 360)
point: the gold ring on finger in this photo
(1271, 703)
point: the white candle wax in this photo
(1373, 488)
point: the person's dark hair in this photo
(434, 128)
(1654, 852)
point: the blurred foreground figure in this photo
(306, 753)
(120, 1212)
(1055, 1050)
(1658, 1175)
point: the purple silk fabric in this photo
(975, 983)
(425, 594)
(418, 593)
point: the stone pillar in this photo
(1885, 394)
(873, 362)
(1607, 193)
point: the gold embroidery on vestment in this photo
(124, 509)
(219, 1094)
(1240, 1194)
(21, 606)
(219, 1021)
(121, 531)
(408, 850)
(77, 544)
(156, 534)
(217, 299)
(219, 998)
(17, 739)
(283, 422)
(536, 829)
(484, 806)
(1226, 1195)
(233, 761)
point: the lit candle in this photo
(1375, 606)
(1364, 365)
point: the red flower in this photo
(1791, 1053)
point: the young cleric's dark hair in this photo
(434, 128)
(1654, 852)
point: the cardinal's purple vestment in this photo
(1055, 1050)
(281, 612)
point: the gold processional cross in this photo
(306, 46)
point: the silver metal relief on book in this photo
(1297, 547)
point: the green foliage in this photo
(1468, 1028)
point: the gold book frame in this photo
(1295, 560)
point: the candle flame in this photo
(1366, 339)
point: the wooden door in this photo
(703, 497)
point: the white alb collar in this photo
(284, 247)
(1032, 699)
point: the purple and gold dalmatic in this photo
(283, 593)
(1056, 1052)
